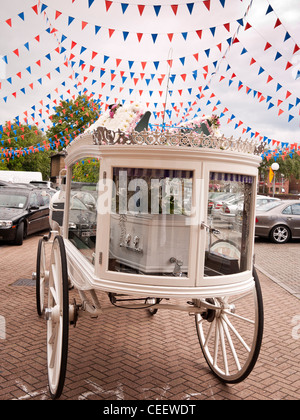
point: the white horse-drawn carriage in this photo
(136, 223)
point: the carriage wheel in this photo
(230, 337)
(57, 315)
(42, 276)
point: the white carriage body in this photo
(152, 240)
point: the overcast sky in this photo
(182, 56)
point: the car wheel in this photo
(20, 234)
(280, 234)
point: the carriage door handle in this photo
(210, 229)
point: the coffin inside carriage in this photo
(150, 244)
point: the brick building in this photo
(57, 164)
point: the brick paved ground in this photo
(128, 355)
(281, 263)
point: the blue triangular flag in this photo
(157, 9)
(124, 7)
(154, 37)
(190, 6)
(270, 9)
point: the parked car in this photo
(232, 210)
(23, 211)
(215, 203)
(279, 221)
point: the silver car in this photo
(279, 221)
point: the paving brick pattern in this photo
(129, 355)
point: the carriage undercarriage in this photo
(230, 340)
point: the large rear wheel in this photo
(230, 336)
(57, 315)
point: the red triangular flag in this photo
(108, 4)
(207, 4)
(143, 63)
(73, 44)
(196, 56)
(227, 26)
(118, 61)
(170, 37)
(16, 52)
(139, 35)
(37, 38)
(288, 65)
(110, 32)
(268, 45)
(277, 23)
(35, 8)
(296, 49)
(19, 74)
(270, 78)
(8, 21)
(248, 26)
(83, 24)
(141, 8)
(199, 33)
(174, 8)
(252, 61)
(94, 54)
(57, 14)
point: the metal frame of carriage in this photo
(230, 341)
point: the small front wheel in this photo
(230, 336)
(57, 315)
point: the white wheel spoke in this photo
(238, 336)
(233, 352)
(223, 346)
(216, 346)
(54, 295)
(239, 317)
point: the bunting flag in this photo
(187, 82)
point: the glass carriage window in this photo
(83, 206)
(150, 221)
(229, 211)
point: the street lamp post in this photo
(275, 168)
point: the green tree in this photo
(24, 149)
(72, 115)
(289, 166)
(86, 170)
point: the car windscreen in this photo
(269, 206)
(11, 199)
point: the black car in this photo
(23, 211)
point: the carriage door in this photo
(83, 206)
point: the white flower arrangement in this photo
(120, 117)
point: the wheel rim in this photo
(57, 315)
(280, 234)
(42, 276)
(230, 337)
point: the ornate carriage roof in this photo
(169, 138)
